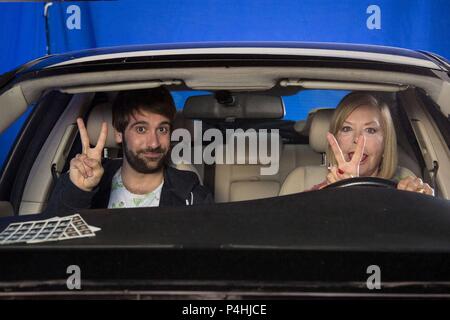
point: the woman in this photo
(362, 143)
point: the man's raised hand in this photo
(86, 168)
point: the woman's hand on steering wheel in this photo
(415, 184)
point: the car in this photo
(266, 236)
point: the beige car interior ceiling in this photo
(13, 104)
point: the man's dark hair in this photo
(155, 100)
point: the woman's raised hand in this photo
(345, 169)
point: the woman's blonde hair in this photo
(349, 104)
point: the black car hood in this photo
(316, 243)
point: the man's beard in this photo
(142, 166)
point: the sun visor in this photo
(234, 106)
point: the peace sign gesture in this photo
(86, 168)
(345, 169)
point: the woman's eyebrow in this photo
(372, 122)
(367, 123)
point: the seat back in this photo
(236, 182)
(242, 179)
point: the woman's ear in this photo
(118, 136)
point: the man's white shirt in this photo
(120, 197)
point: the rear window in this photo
(180, 97)
(298, 106)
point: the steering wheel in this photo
(364, 182)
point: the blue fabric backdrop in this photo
(414, 24)
(22, 36)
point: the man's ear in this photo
(118, 136)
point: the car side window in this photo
(8, 137)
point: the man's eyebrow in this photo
(142, 122)
(138, 123)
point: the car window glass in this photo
(179, 97)
(298, 105)
(8, 137)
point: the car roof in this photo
(232, 66)
(298, 49)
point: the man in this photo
(142, 122)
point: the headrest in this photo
(181, 122)
(101, 113)
(320, 125)
(300, 126)
(234, 106)
(303, 126)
